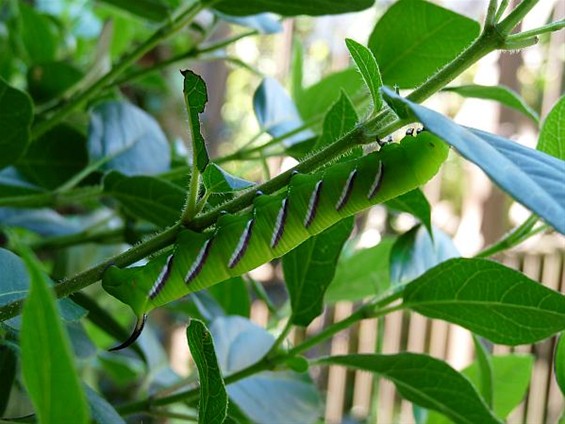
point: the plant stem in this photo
(513, 238)
(501, 9)
(490, 19)
(553, 26)
(514, 17)
(91, 275)
(52, 198)
(193, 52)
(490, 39)
(355, 137)
(175, 24)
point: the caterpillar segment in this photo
(276, 224)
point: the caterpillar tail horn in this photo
(134, 335)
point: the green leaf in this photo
(101, 410)
(38, 34)
(498, 93)
(16, 113)
(367, 65)
(552, 135)
(559, 363)
(218, 180)
(8, 366)
(55, 157)
(213, 404)
(148, 198)
(339, 120)
(292, 7)
(511, 376)
(415, 203)
(47, 81)
(489, 299)
(415, 251)
(425, 381)
(47, 363)
(415, 38)
(277, 113)
(310, 268)
(364, 273)
(233, 296)
(531, 177)
(485, 370)
(266, 397)
(12, 183)
(196, 97)
(155, 10)
(125, 138)
(318, 98)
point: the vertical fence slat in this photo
(337, 376)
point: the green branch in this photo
(490, 39)
(369, 310)
(183, 18)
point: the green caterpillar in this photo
(276, 224)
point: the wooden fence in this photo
(351, 394)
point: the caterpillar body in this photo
(275, 224)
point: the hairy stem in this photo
(368, 310)
(490, 39)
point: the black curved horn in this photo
(136, 332)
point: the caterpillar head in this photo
(123, 284)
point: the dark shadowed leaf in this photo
(292, 7)
(310, 268)
(364, 273)
(48, 80)
(414, 252)
(318, 98)
(474, 293)
(149, 198)
(38, 34)
(498, 93)
(552, 135)
(276, 113)
(195, 98)
(100, 410)
(233, 296)
(367, 65)
(127, 139)
(213, 404)
(415, 203)
(339, 120)
(218, 180)
(425, 381)
(155, 10)
(47, 363)
(267, 396)
(409, 41)
(15, 120)
(8, 367)
(54, 157)
(533, 178)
